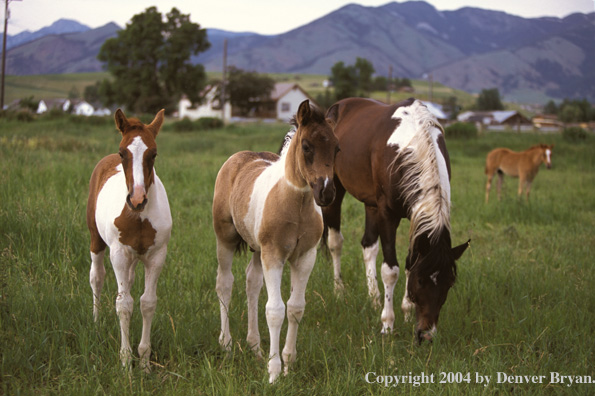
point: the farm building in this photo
(210, 107)
(510, 118)
(497, 120)
(287, 98)
(77, 107)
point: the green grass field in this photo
(523, 303)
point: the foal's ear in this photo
(458, 251)
(155, 126)
(121, 120)
(303, 112)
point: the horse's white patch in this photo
(137, 148)
(442, 168)
(434, 277)
(389, 277)
(406, 130)
(548, 153)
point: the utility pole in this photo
(4, 53)
(224, 82)
(389, 83)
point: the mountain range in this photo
(469, 49)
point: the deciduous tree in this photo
(150, 61)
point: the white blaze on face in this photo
(548, 153)
(137, 148)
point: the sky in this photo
(258, 16)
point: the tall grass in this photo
(522, 303)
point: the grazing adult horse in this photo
(129, 212)
(523, 165)
(393, 159)
(271, 204)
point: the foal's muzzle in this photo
(137, 200)
(324, 191)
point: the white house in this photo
(82, 107)
(48, 104)
(287, 98)
(210, 107)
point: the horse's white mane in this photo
(429, 204)
(287, 141)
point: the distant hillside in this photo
(61, 26)
(64, 53)
(468, 49)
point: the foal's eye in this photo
(306, 148)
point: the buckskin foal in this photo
(271, 204)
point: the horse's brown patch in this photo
(134, 232)
(105, 169)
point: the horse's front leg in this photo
(370, 248)
(406, 305)
(254, 280)
(390, 267)
(148, 303)
(96, 279)
(275, 309)
(224, 287)
(332, 220)
(122, 263)
(300, 273)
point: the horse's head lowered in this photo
(138, 151)
(432, 272)
(316, 149)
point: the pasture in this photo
(522, 304)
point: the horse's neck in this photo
(293, 174)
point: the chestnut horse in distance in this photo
(523, 165)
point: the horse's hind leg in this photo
(300, 273)
(254, 281)
(224, 288)
(97, 272)
(332, 220)
(96, 279)
(148, 304)
(500, 181)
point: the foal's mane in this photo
(428, 204)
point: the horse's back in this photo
(502, 159)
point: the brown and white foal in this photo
(272, 204)
(128, 211)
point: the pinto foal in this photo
(271, 204)
(128, 211)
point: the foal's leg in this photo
(300, 273)
(148, 303)
(500, 181)
(275, 309)
(332, 220)
(489, 185)
(521, 183)
(124, 302)
(224, 287)
(528, 188)
(370, 247)
(254, 280)
(96, 278)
